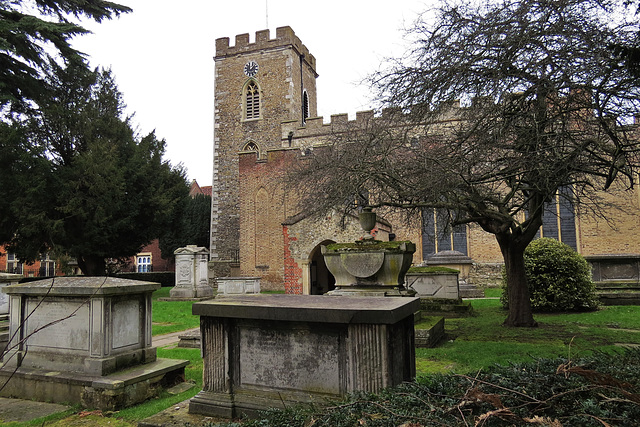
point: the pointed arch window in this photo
(251, 146)
(305, 107)
(251, 100)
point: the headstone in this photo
(191, 273)
(238, 285)
(6, 279)
(73, 337)
(264, 351)
(462, 263)
(434, 285)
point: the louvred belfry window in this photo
(252, 110)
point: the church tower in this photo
(258, 86)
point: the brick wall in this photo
(292, 269)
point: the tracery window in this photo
(252, 101)
(251, 146)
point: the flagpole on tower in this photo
(266, 10)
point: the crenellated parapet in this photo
(285, 37)
(316, 130)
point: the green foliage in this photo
(28, 32)
(165, 278)
(587, 392)
(559, 278)
(190, 225)
(89, 186)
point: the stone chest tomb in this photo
(263, 351)
(72, 337)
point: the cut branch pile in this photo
(603, 390)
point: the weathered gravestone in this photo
(191, 273)
(265, 351)
(84, 340)
(238, 285)
(6, 279)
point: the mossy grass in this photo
(480, 341)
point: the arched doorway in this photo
(321, 280)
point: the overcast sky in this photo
(162, 57)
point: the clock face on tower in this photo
(251, 68)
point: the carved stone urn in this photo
(369, 267)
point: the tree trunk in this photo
(92, 265)
(520, 312)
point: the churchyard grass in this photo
(477, 342)
(171, 316)
(472, 344)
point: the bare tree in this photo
(551, 106)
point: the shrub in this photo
(559, 278)
(165, 278)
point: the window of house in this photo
(47, 266)
(144, 263)
(252, 101)
(13, 265)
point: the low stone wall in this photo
(486, 275)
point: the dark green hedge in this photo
(165, 278)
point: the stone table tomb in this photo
(72, 338)
(263, 351)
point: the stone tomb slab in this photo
(84, 340)
(267, 351)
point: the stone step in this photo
(619, 298)
(631, 286)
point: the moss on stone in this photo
(369, 245)
(431, 270)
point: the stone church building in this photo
(266, 118)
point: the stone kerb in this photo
(192, 277)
